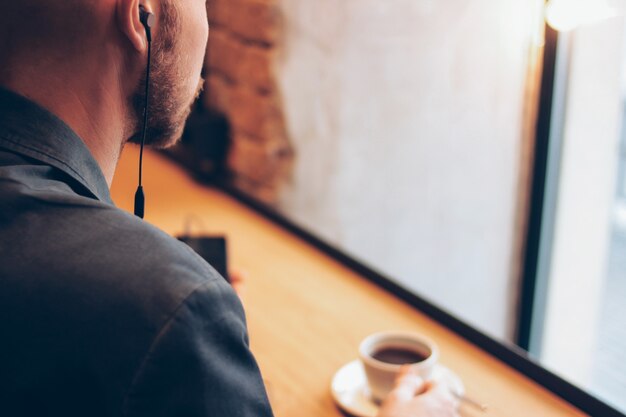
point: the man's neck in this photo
(92, 110)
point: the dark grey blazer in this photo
(102, 314)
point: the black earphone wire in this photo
(139, 195)
(145, 112)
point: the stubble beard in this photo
(168, 107)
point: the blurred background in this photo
(472, 151)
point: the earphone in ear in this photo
(147, 20)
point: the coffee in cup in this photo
(383, 355)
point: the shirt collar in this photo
(31, 130)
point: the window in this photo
(411, 126)
(408, 125)
(579, 329)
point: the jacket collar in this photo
(29, 129)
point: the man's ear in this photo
(129, 22)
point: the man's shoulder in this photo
(88, 250)
(87, 286)
(137, 240)
(137, 254)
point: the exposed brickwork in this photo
(256, 20)
(260, 162)
(241, 84)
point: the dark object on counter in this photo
(212, 249)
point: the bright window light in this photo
(565, 15)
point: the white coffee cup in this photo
(384, 353)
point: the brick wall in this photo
(241, 84)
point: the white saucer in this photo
(350, 391)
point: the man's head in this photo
(97, 40)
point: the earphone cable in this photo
(139, 195)
(145, 114)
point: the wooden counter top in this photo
(306, 312)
